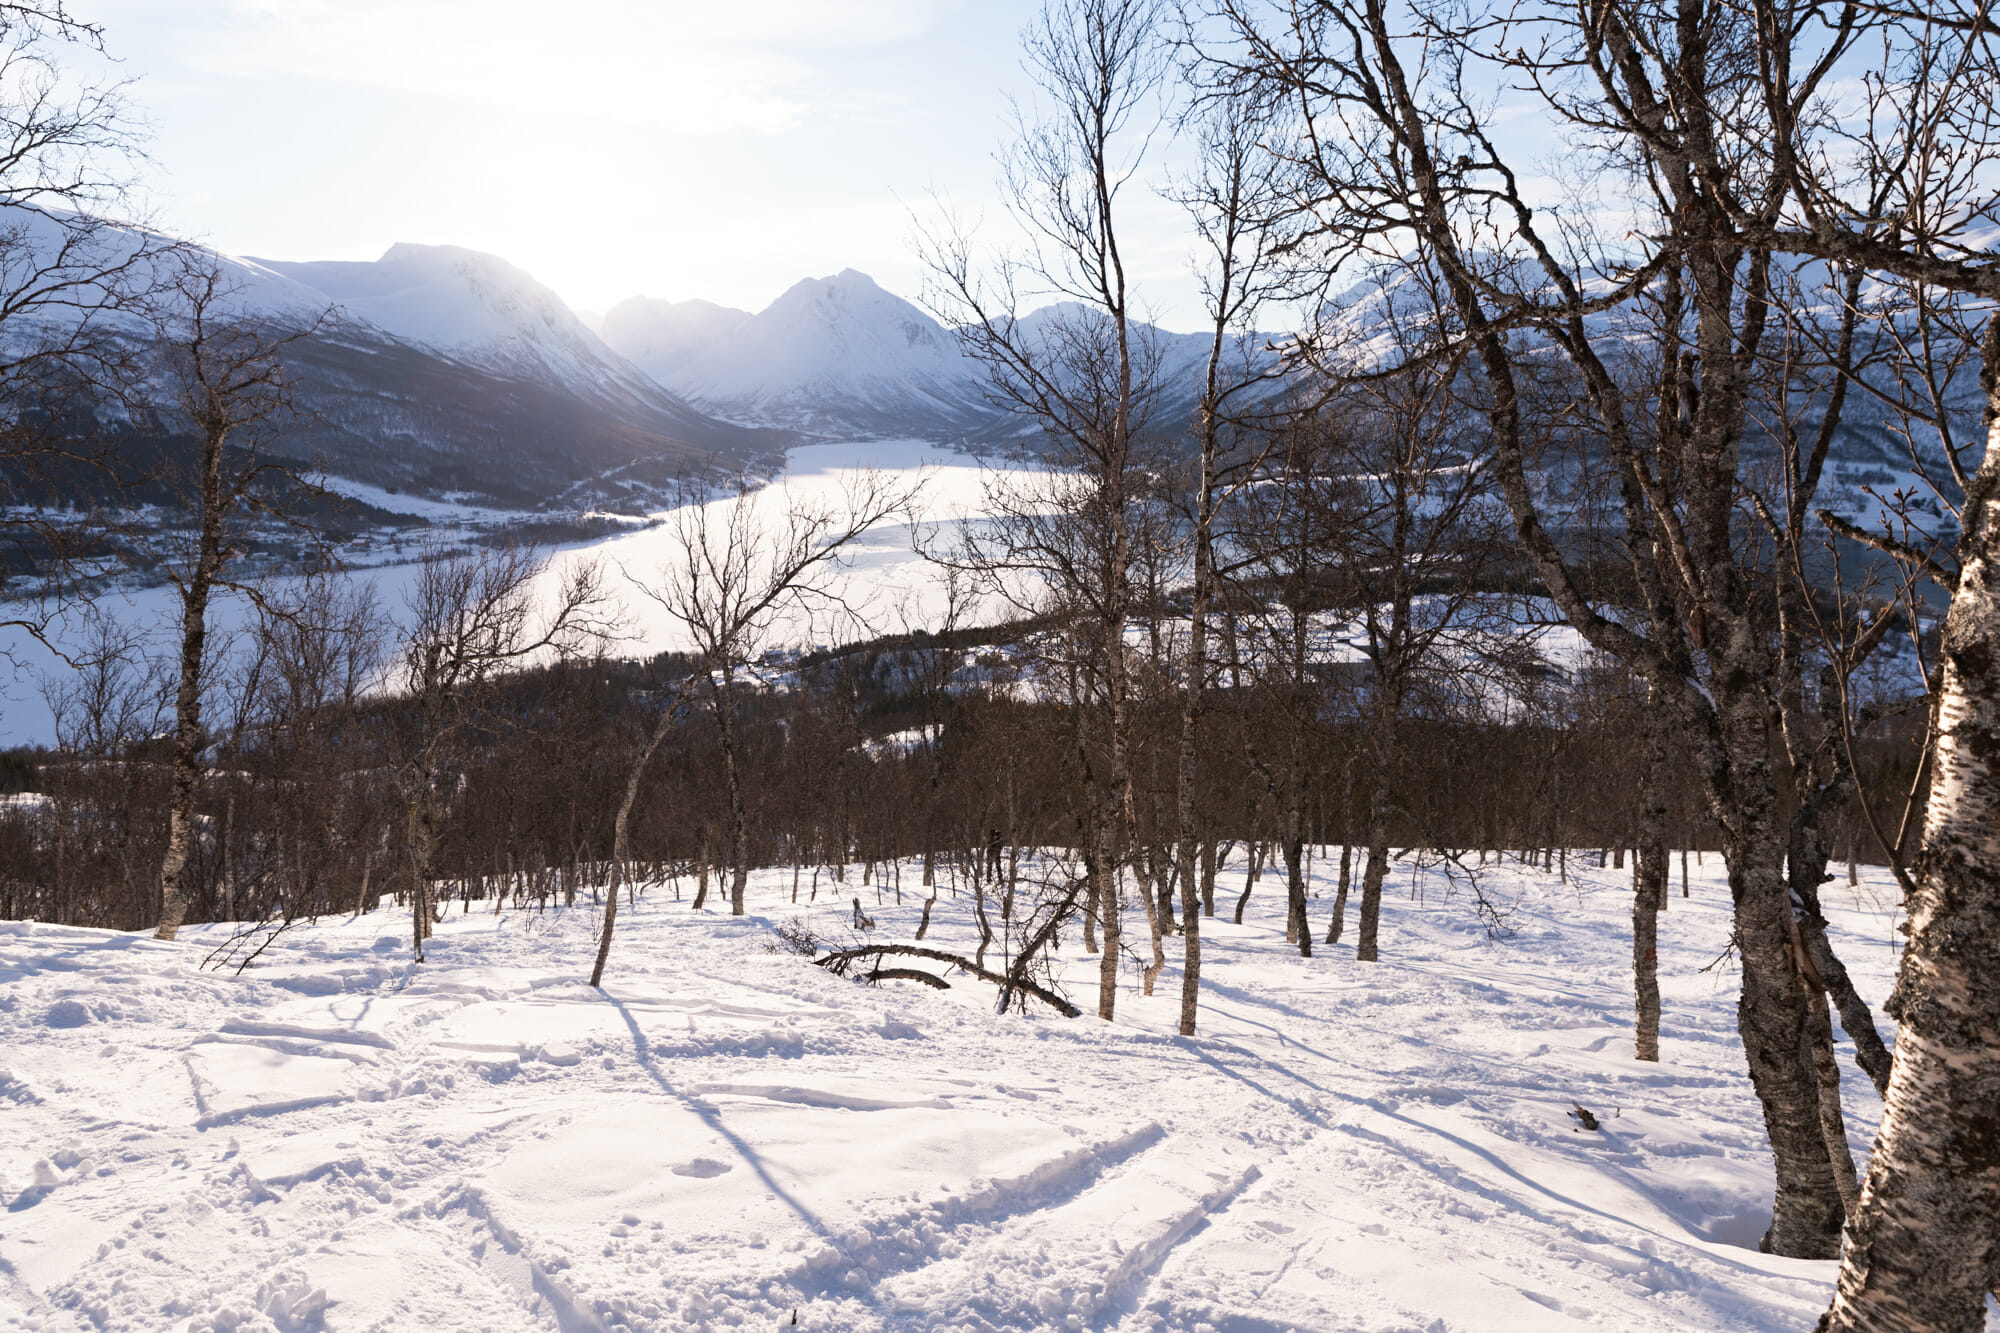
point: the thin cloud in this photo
(695, 68)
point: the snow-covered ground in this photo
(726, 1135)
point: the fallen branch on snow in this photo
(839, 963)
(931, 979)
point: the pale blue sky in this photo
(721, 149)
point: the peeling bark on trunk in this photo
(1108, 924)
(174, 888)
(1773, 1012)
(195, 591)
(1832, 1124)
(1925, 1244)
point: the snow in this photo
(342, 1140)
(660, 336)
(829, 350)
(840, 329)
(65, 245)
(472, 306)
(395, 502)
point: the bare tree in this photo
(1404, 168)
(1901, 185)
(735, 570)
(317, 643)
(1232, 201)
(227, 385)
(622, 822)
(1084, 375)
(103, 704)
(71, 282)
(473, 616)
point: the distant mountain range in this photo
(442, 373)
(451, 373)
(448, 374)
(841, 356)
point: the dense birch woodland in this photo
(1530, 552)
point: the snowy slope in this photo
(59, 270)
(828, 334)
(473, 307)
(729, 1137)
(660, 337)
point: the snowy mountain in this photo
(660, 337)
(831, 356)
(445, 372)
(471, 307)
(840, 354)
(436, 370)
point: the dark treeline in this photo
(852, 766)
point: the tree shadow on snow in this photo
(644, 1051)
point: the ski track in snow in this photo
(341, 1140)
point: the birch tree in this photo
(1911, 198)
(226, 385)
(1232, 202)
(1081, 376)
(1405, 170)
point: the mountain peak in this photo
(470, 305)
(848, 285)
(401, 251)
(415, 253)
(831, 352)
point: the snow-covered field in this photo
(726, 1135)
